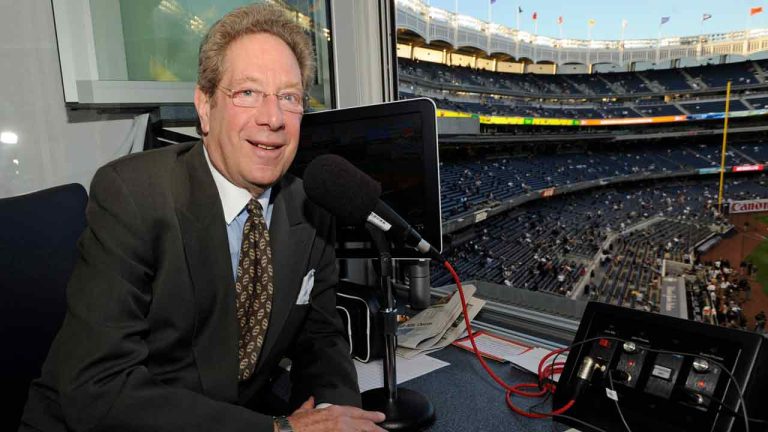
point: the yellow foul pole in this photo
(725, 140)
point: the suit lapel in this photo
(291, 238)
(204, 234)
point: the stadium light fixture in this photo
(8, 137)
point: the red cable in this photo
(543, 370)
(517, 389)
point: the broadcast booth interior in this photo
(603, 200)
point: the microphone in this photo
(336, 185)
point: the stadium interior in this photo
(571, 181)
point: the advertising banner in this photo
(749, 206)
(747, 168)
(541, 121)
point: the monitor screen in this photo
(396, 144)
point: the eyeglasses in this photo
(290, 101)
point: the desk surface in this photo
(467, 399)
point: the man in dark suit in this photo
(204, 264)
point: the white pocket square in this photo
(306, 288)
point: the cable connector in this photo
(584, 375)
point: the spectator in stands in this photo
(746, 288)
(760, 322)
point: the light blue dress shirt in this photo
(234, 201)
(235, 230)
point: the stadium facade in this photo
(542, 54)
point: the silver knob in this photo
(700, 365)
(630, 347)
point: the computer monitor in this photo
(396, 144)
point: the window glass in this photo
(158, 40)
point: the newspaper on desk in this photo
(437, 326)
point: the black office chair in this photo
(38, 249)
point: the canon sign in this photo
(747, 168)
(749, 206)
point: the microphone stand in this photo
(405, 409)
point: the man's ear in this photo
(203, 107)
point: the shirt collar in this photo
(233, 198)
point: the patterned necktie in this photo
(253, 289)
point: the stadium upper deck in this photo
(673, 95)
(743, 75)
(570, 55)
(464, 65)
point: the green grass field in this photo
(759, 258)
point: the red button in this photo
(701, 384)
(605, 343)
(631, 363)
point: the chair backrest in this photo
(38, 250)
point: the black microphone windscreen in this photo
(336, 185)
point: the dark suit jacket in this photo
(149, 341)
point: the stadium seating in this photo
(712, 76)
(669, 79)
(547, 245)
(421, 77)
(626, 82)
(758, 103)
(471, 185)
(757, 152)
(712, 107)
(657, 110)
(625, 278)
(742, 73)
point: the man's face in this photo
(252, 147)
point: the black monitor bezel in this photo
(426, 110)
